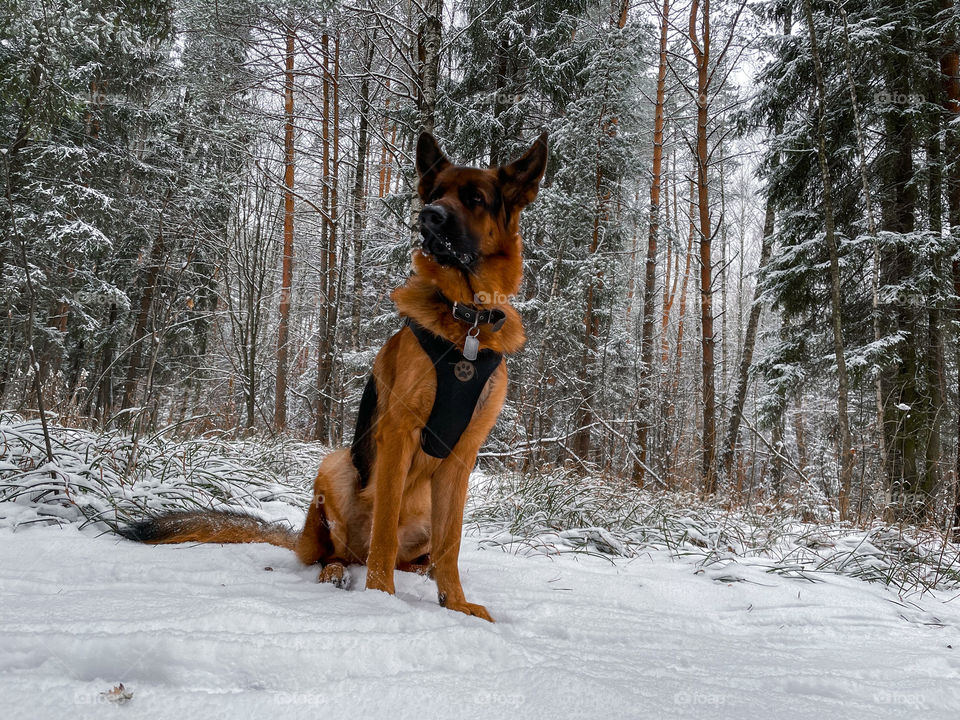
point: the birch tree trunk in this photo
(428, 53)
(749, 343)
(429, 36)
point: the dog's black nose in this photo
(432, 217)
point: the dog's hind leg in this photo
(325, 535)
(314, 544)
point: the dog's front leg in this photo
(394, 454)
(448, 495)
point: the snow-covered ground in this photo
(209, 632)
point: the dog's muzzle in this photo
(444, 238)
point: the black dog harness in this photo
(460, 383)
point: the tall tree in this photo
(650, 274)
(429, 37)
(950, 78)
(846, 451)
(603, 203)
(700, 44)
(753, 321)
(286, 282)
(360, 189)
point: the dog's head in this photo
(472, 214)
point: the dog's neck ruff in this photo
(460, 383)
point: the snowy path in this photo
(206, 632)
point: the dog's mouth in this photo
(445, 251)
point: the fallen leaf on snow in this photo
(118, 694)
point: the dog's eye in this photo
(477, 199)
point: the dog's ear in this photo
(521, 178)
(430, 162)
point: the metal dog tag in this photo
(470, 347)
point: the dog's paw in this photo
(336, 574)
(420, 566)
(467, 608)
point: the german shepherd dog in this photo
(395, 498)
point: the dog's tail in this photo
(209, 526)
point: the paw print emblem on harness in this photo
(464, 371)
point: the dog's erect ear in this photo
(430, 162)
(521, 178)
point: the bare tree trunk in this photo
(721, 278)
(950, 69)
(337, 264)
(803, 456)
(359, 199)
(104, 388)
(385, 130)
(286, 283)
(846, 454)
(750, 336)
(935, 371)
(749, 343)
(776, 463)
(701, 52)
(583, 439)
(670, 289)
(632, 277)
(429, 35)
(684, 287)
(135, 367)
(650, 277)
(428, 52)
(328, 265)
(681, 322)
(36, 364)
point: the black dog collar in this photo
(495, 317)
